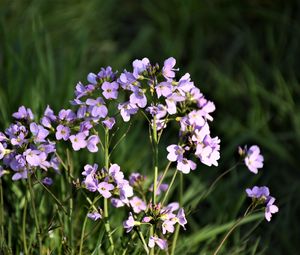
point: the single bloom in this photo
(253, 159)
(62, 132)
(161, 243)
(104, 189)
(78, 141)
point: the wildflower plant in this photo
(29, 150)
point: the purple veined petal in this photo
(137, 204)
(171, 106)
(129, 223)
(94, 216)
(92, 142)
(78, 141)
(88, 169)
(91, 183)
(47, 181)
(62, 132)
(92, 78)
(168, 226)
(104, 188)
(181, 218)
(20, 175)
(109, 122)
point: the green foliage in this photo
(243, 54)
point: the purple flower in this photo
(181, 217)
(164, 89)
(138, 97)
(168, 68)
(168, 226)
(258, 192)
(67, 115)
(137, 204)
(175, 152)
(104, 189)
(185, 165)
(91, 183)
(110, 90)
(92, 78)
(117, 175)
(78, 141)
(129, 223)
(32, 157)
(125, 190)
(208, 151)
(20, 175)
(23, 113)
(89, 170)
(2, 171)
(127, 109)
(62, 132)
(254, 159)
(158, 111)
(92, 142)
(48, 117)
(118, 202)
(94, 215)
(97, 107)
(109, 122)
(270, 208)
(135, 179)
(140, 66)
(2, 151)
(47, 181)
(161, 243)
(171, 102)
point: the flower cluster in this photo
(25, 146)
(260, 195)
(112, 185)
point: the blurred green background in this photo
(243, 55)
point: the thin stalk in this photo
(1, 212)
(82, 235)
(151, 234)
(105, 206)
(235, 225)
(36, 220)
(164, 174)
(70, 171)
(24, 228)
(53, 196)
(155, 163)
(140, 234)
(211, 187)
(155, 159)
(178, 226)
(169, 188)
(128, 243)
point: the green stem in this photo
(164, 174)
(1, 213)
(140, 234)
(169, 188)
(235, 225)
(155, 158)
(24, 228)
(105, 206)
(151, 234)
(36, 220)
(70, 171)
(178, 226)
(82, 235)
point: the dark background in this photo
(243, 55)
